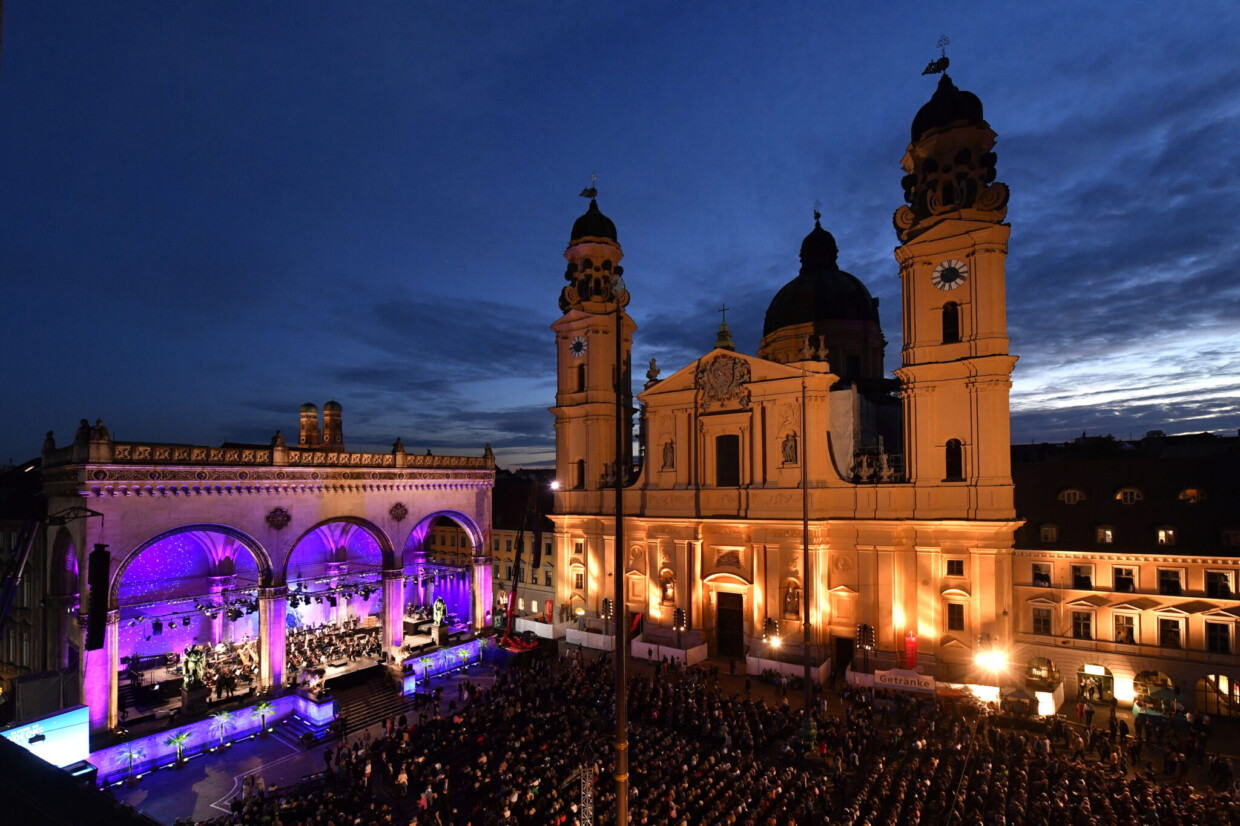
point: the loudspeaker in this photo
(97, 609)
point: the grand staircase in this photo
(368, 697)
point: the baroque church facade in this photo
(906, 485)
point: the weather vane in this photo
(940, 65)
(591, 191)
(817, 209)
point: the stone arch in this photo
(261, 558)
(418, 534)
(386, 550)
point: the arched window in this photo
(951, 322)
(580, 481)
(581, 378)
(955, 461)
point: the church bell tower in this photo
(955, 367)
(591, 370)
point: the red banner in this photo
(910, 650)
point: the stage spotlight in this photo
(331, 601)
(318, 600)
(185, 622)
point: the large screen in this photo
(62, 738)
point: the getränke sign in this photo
(903, 680)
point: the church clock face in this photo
(577, 347)
(950, 274)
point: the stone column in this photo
(481, 594)
(221, 627)
(336, 570)
(272, 610)
(99, 676)
(393, 613)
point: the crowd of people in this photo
(513, 753)
(309, 650)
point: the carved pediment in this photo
(721, 380)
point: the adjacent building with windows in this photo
(1126, 567)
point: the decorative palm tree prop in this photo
(261, 710)
(178, 740)
(131, 753)
(221, 723)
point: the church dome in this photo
(309, 407)
(332, 406)
(594, 224)
(822, 292)
(948, 105)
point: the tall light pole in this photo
(621, 296)
(809, 732)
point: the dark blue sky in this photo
(211, 212)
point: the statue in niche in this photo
(440, 616)
(792, 601)
(193, 667)
(669, 455)
(790, 448)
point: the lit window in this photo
(521, 604)
(1083, 625)
(548, 579)
(1166, 536)
(1128, 496)
(1071, 496)
(1125, 629)
(1050, 533)
(955, 616)
(1042, 574)
(579, 548)
(1105, 534)
(1124, 580)
(579, 581)
(1042, 622)
(1169, 632)
(955, 567)
(1192, 496)
(534, 605)
(1218, 637)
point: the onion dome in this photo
(594, 224)
(309, 407)
(333, 406)
(948, 105)
(822, 292)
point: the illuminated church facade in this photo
(908, 483)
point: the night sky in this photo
(212, 212)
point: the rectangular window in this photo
(1105, 535)
(1125, 629)
(1168, 632)
(1042, 622)
(534, 605)
(521, 574)
(1124, 580)
(727, 461)
(1166, 536)
(548, 578)
(508, 544)
(955, 616)
(1042, 574)
(579, 581)
(1050, 533)
(1169, 582)
(547, 547)
(955, 567)
(509, 574)
(1083, 577)
(1218, 584)
(1218, 638)
(1083, 625)
(521, 604)
(579, 548)
(495, 544)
